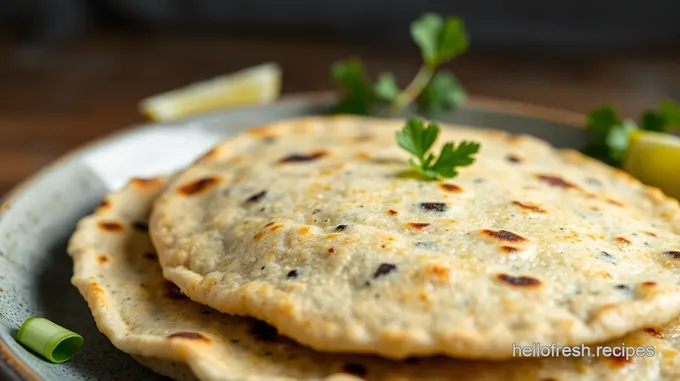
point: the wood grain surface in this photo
(54, 101)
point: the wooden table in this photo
(52, 102)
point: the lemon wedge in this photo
(654, 158)
(254, 85)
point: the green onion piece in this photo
(55, 343)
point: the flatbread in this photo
(311, 226)
(145, 316)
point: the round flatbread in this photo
(147, 317)
(313, 226)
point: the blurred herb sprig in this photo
(440, 40)
(610, 135)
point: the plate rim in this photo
(13, 369)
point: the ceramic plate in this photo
(37, 218)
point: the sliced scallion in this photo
(54, 342)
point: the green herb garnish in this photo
(55, 343)
(665, 119)
(610, 135)
(358, 93)
(440, 40)
(417, 139)
(442, 93)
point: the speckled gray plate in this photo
(37, 218)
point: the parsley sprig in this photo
(417, 138)
(610, 135)
(440, 40)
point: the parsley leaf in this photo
(601, 120)
(417, 138)
(665, 119)
(444, 92)
(653, 121)
(439, 39)
(451, 157)
(608, 137)
(386, 87)
(671, 113)
(357, 92)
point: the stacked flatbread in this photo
(303, 251)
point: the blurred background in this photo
(73, 70)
